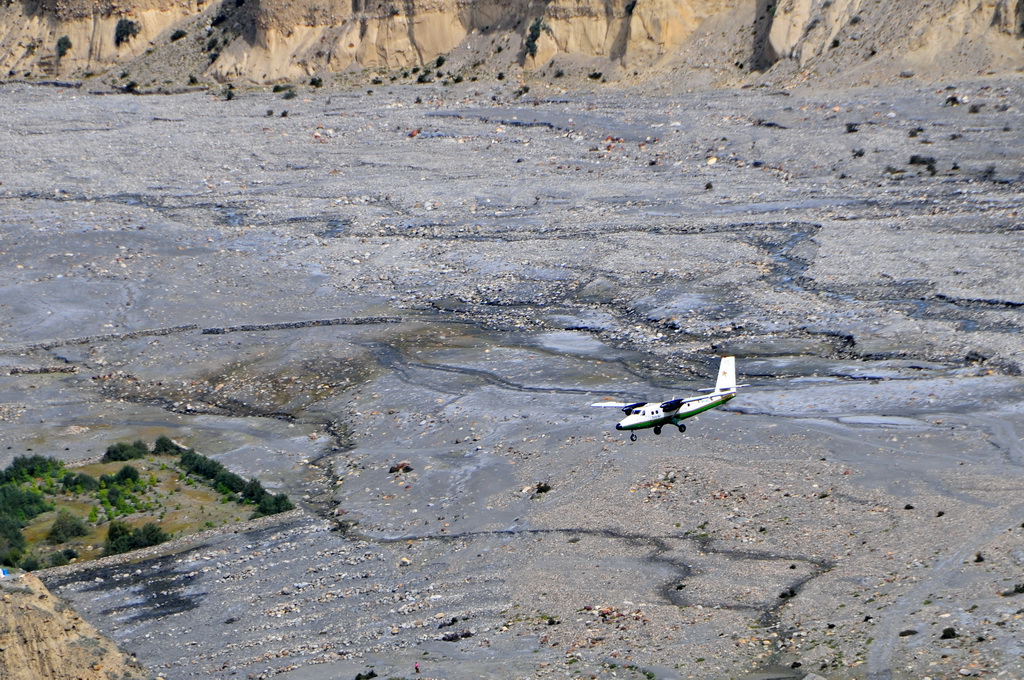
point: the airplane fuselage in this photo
(643, 414)
(652, 414)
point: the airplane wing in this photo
(674, 404)
(622, 406)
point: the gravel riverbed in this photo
(411, 297)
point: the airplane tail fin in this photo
(726, 375)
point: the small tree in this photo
(58, 559)
(532, 35)
(126, 451)
(12, 541)
(122, 538)
(126, 473)
(65, 527)
(163, 445)
(125, 30)
(271, 505)
(63, 45)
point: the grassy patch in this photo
(134, 497)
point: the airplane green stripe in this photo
(671, 420)
(641, 415)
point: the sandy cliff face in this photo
(286, 39)
(30, 31)
(41, 638)
(635, 33)
(958, 35)
(283, 40)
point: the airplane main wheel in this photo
(657, 429)
(682, 428)
(632, 436)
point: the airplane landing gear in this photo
(657, 429)
(682, 428)
(632, 436)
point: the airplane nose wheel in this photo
(657, 429)
(632, 436)
(682, 428)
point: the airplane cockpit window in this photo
(637, 412)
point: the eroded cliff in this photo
(40, 637)
(173, 42)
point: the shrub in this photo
(230, 481)
(125, 30)
(126, 473)
(253, 491)
(30, 563)
(164, 446)
(290, 94)
(25, 468)
(112, 494)
(595, 75)
(316, 81)
(178, 35)
(271, 505)
(532, 35)
(12, 541)
(58, 559)
(63, 45)
(125, 451)
(86, 482)
(66, 527)
(121, 538)
(21, 505)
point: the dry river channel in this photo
(397, 307)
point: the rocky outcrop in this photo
(41, 637)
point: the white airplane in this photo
(655, 414)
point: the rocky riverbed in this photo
(397, 306)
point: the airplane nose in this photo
(618, 426)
